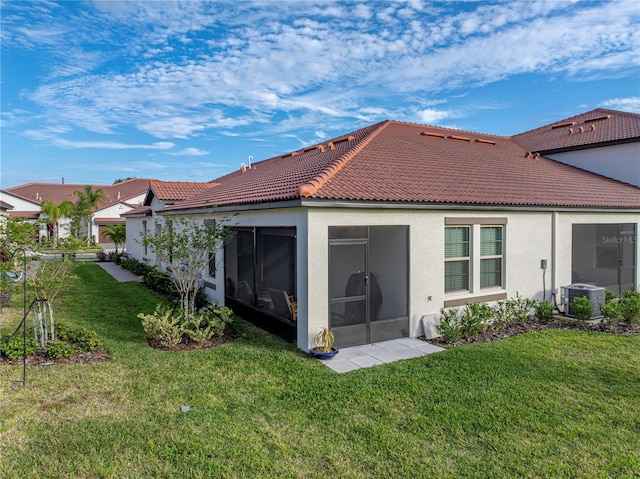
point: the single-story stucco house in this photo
(25, 201)
(142, 219)
(373, 232)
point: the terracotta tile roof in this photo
(30, 215)
(278, 178)
(109, 220)
(36, 192)
(595, 127)
(401, 162)
(178, 190)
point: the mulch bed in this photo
(102, 355)
(97, 356)
(533, 324)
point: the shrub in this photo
(609, 295)
(521, 308)
(222, 312)
(161, 283)
(59, 349)
(474, 318)
(630, 307)
(12, 347)
(544, 310)
(612, 311)
(203, 325)
(164, 326)
(502, 314)
(449, 327)
(582, 308)
(512, 310)
(136, 267)
(82, 339)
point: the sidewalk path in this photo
(120, 274)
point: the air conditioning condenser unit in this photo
(590, 291)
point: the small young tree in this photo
(18, 232)
(45, 279)
(117, 234)
(183, 245)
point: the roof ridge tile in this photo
(314, 184)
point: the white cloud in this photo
(307, 65)
(631, 104)
(190, 152)
(110, 145)
(432, 116)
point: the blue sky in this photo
(186, 91)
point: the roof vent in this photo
(571, 131)
(599, 118)
(293, 153)
(581, 129)
(345, 138)
(563, 125)
(593, 127)
(244, 167)
(527, 154)
(315, 147)
(536, 155)
(331, 146)
(461, 138)
(432, 134)
(485, 142)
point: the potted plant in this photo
(323, 344)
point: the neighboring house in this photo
(121, 197)
(603, 141)
(15, 206)
(373, 232)
(141, 219)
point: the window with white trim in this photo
(473, 254)
(490, 256)
(457, 256)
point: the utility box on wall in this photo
(590, 291)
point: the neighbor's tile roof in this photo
(595, 127)
(401, 162)
(30, 215)
(36, 192)
(178, 190)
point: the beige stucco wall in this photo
(134, 234)
(621, 162)
(529, 237)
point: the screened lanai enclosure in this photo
(260, 277)
(368, 283)
(605, 255)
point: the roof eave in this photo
(589, 146)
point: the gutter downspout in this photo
(554, 236)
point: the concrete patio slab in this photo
(357, 357)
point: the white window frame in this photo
(475, 226)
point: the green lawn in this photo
(547, 404)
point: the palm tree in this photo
(117, 234)
(88, 200)
(54, 212)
